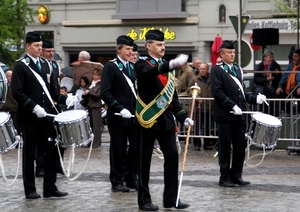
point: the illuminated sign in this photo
(169, 35)
(43, 14)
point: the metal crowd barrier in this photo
(287, 110)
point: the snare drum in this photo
(3, 87)
(266, 130)
(8, 134)
(73, 127)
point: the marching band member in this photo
(157, 102)
(118, 92)
(226, 78)
(34, 88)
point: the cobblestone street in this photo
(274, 185)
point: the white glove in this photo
(126, 114)
(260, 98)
(237, 110)
(188, 122)
(39, 111)
(70, 101)
(178, 61)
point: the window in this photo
(291, 3)
(150, 9)
(222, 14)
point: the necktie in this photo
(128, 68)
(233, 71)
(38, 65)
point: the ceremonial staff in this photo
(195, 90)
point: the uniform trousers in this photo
(231, 135)
(123, 165)
(32, 134)
(167, 142)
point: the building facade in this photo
(190, 26)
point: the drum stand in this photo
(2, 167)
(69, 170)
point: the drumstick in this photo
(52, 115)
(264, 100)
(247, 112)
(119, 114)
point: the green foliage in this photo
(285, 7)
(14, 16)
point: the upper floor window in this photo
(291, 3)
(150, 9)
(222, 14)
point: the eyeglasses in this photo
(49, 51)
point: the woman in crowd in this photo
(94, 106)
(84, 84)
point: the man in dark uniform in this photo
(226, 79)
(118, 92)
(48, 54)
(156, 92)
(30, 73)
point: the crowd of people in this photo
(137, 118)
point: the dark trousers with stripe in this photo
(231, 134)
(34, 133)
(123, 164)
(167, 142)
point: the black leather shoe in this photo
(149, 207)
(180, 205)
(240, 181)
(133, 185)
(40, 174)
(119, 188)
(56, 194)
(33, 195)
(227, 184)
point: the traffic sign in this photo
(244, 22)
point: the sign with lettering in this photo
(281, 24)
(140, 34)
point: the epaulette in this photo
(113, 60)
(143, 57)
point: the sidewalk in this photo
(275, 185)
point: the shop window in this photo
(222, 14)
(150, 9)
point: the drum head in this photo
(3, 117)
(70, 115)
(266, 119)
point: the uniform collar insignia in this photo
(120, 66)
(153, 62)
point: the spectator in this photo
(94, 106)
(289, 82)
(184, 75)
(203, 112)
(196, 64)
(84, 84)
(134, 55)
(267, 82)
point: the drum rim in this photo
(267, 124)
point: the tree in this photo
(14, 16)
(289, 8)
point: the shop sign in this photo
(281, 24)
(43, 14)
(140, 34)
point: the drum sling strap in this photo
(147, 114)
(41, 81)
